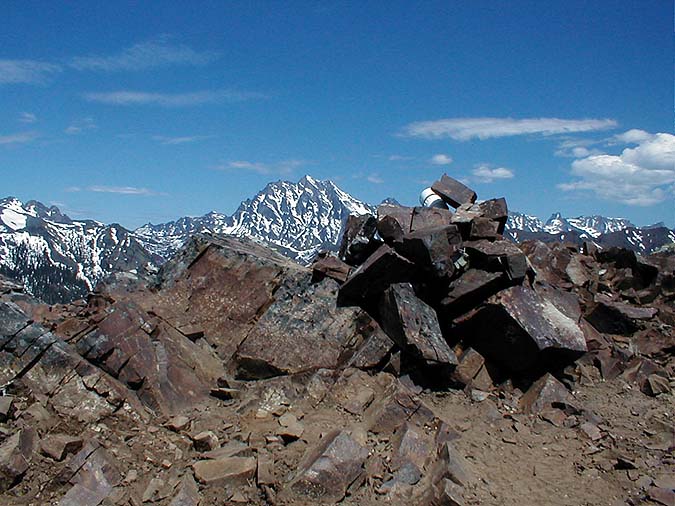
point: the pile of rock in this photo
(458, 300)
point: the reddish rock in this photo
(228, 472)
(330, 468)
(383, 268)
(15, 455)
(613, 317)
(332, 267)
(413, 325)
(205, 441)
(431, 249)
(393, 222)
(453, 192)
(187, 492)
(358, 239)
(469, 365)
(57, 446)
(520, 329)
(396, 405)
(544, 393)
(424, 218)
(301, 331)
(498, 256)
(469, 290)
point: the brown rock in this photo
(409, 445)
(358, 239)
(469, 290)
(544, 393)
(382, 268)
(178, 423)
(205, 441)
(498, 256)
(469, 365)
(229, 471)
(396, 405)
(657, 385)
(187, 493)
(330, 468)
(330, 266)
(519, 329)
(431, 249)
(6, 407)
(302, 330)
(57, 446)
(662, 495)
(612, 317)
(453, 466)
(424, 218)
(453, 192)
(15, 454)
(393, 221)
(265, 473)
(413, 325)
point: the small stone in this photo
(178, 423)
(205, 441)
(166, 464)
(57, 446)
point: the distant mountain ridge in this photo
(56, 258)
(59, 259)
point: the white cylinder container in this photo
(429, 198)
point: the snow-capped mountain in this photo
(58, 259)
(297, 219)
(522, 227)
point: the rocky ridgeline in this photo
(430, 362)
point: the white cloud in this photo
(577, 148)
(464, 129)
(154, 53)
(26, 71)
(20, 138)
(374, 178)
(486, 174)
(180, 140)
(126, 97)
(81, 125)
(632, 136)
(441, 159)
(284, 167)
(640, 176)
(398, 158)
(123, 190)
(27, 117)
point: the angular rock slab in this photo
(453, 192)
(301, 331)
(613, 317)
(544, 393)
(413, 325)
(330, 468)
(432, 249)
(520, 329)
(15, 454)
(227, 471)
(382, 268)
(358, 239)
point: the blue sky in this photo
(133, 113)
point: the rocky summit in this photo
(428, 362)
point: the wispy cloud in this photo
(441, 159)
(374, 178)
(126, 97)
(180, 140)
(284, 167)
(123, 190)
(464, 129)
(159, 52)
(27, 71)
(20, 138)
(399, 158)
(639, 176)
(486, 174)
(27, 117)
(81, 125)
(577, 148)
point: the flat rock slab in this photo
(453, 192)
(432, 249)
(330, 468)
(413, 325)
(301, 331)
(229, 471)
